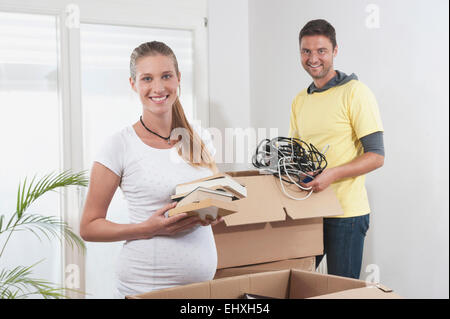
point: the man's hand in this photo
(322, 181)
(363, 164)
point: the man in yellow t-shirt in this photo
(339, 112)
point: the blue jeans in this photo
(343, 241)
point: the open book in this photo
(217, 181)
(201, 193)
(205, 202)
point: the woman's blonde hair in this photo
(192, 149)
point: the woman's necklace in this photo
(164, 138)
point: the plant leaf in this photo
(34, 190)
(18, 283)
(47, 183)
(49, 225)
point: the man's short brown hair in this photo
(319, 27)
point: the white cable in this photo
(286, 157)
(284, 190)
(325, 149)
(287, 174)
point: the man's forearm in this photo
(359, 166)
(363, 164)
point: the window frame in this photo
(167, 14)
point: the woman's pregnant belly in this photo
(167, 261)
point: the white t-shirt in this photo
(148, 179)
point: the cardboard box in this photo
(306, 264)
(269, 226)
(283, 284)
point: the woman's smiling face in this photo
(156, 83)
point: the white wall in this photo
(229, 78)
(405, 63)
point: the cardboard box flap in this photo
(288, 283)
(319, 286)
(261, 205)
(233, 287)
(315, 284)
(306, 263)
(321, 204)
(370, 292)
(383, 288)
(266, 195)
(273, 284)
(252, 172)
(199, 290)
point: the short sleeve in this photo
(363, 111)
(293, 128)
(111, 154)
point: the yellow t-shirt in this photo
(339, 117)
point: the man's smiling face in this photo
(317, 55)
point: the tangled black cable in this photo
(288, 157)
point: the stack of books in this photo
(208, 197)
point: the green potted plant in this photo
(18, 282)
